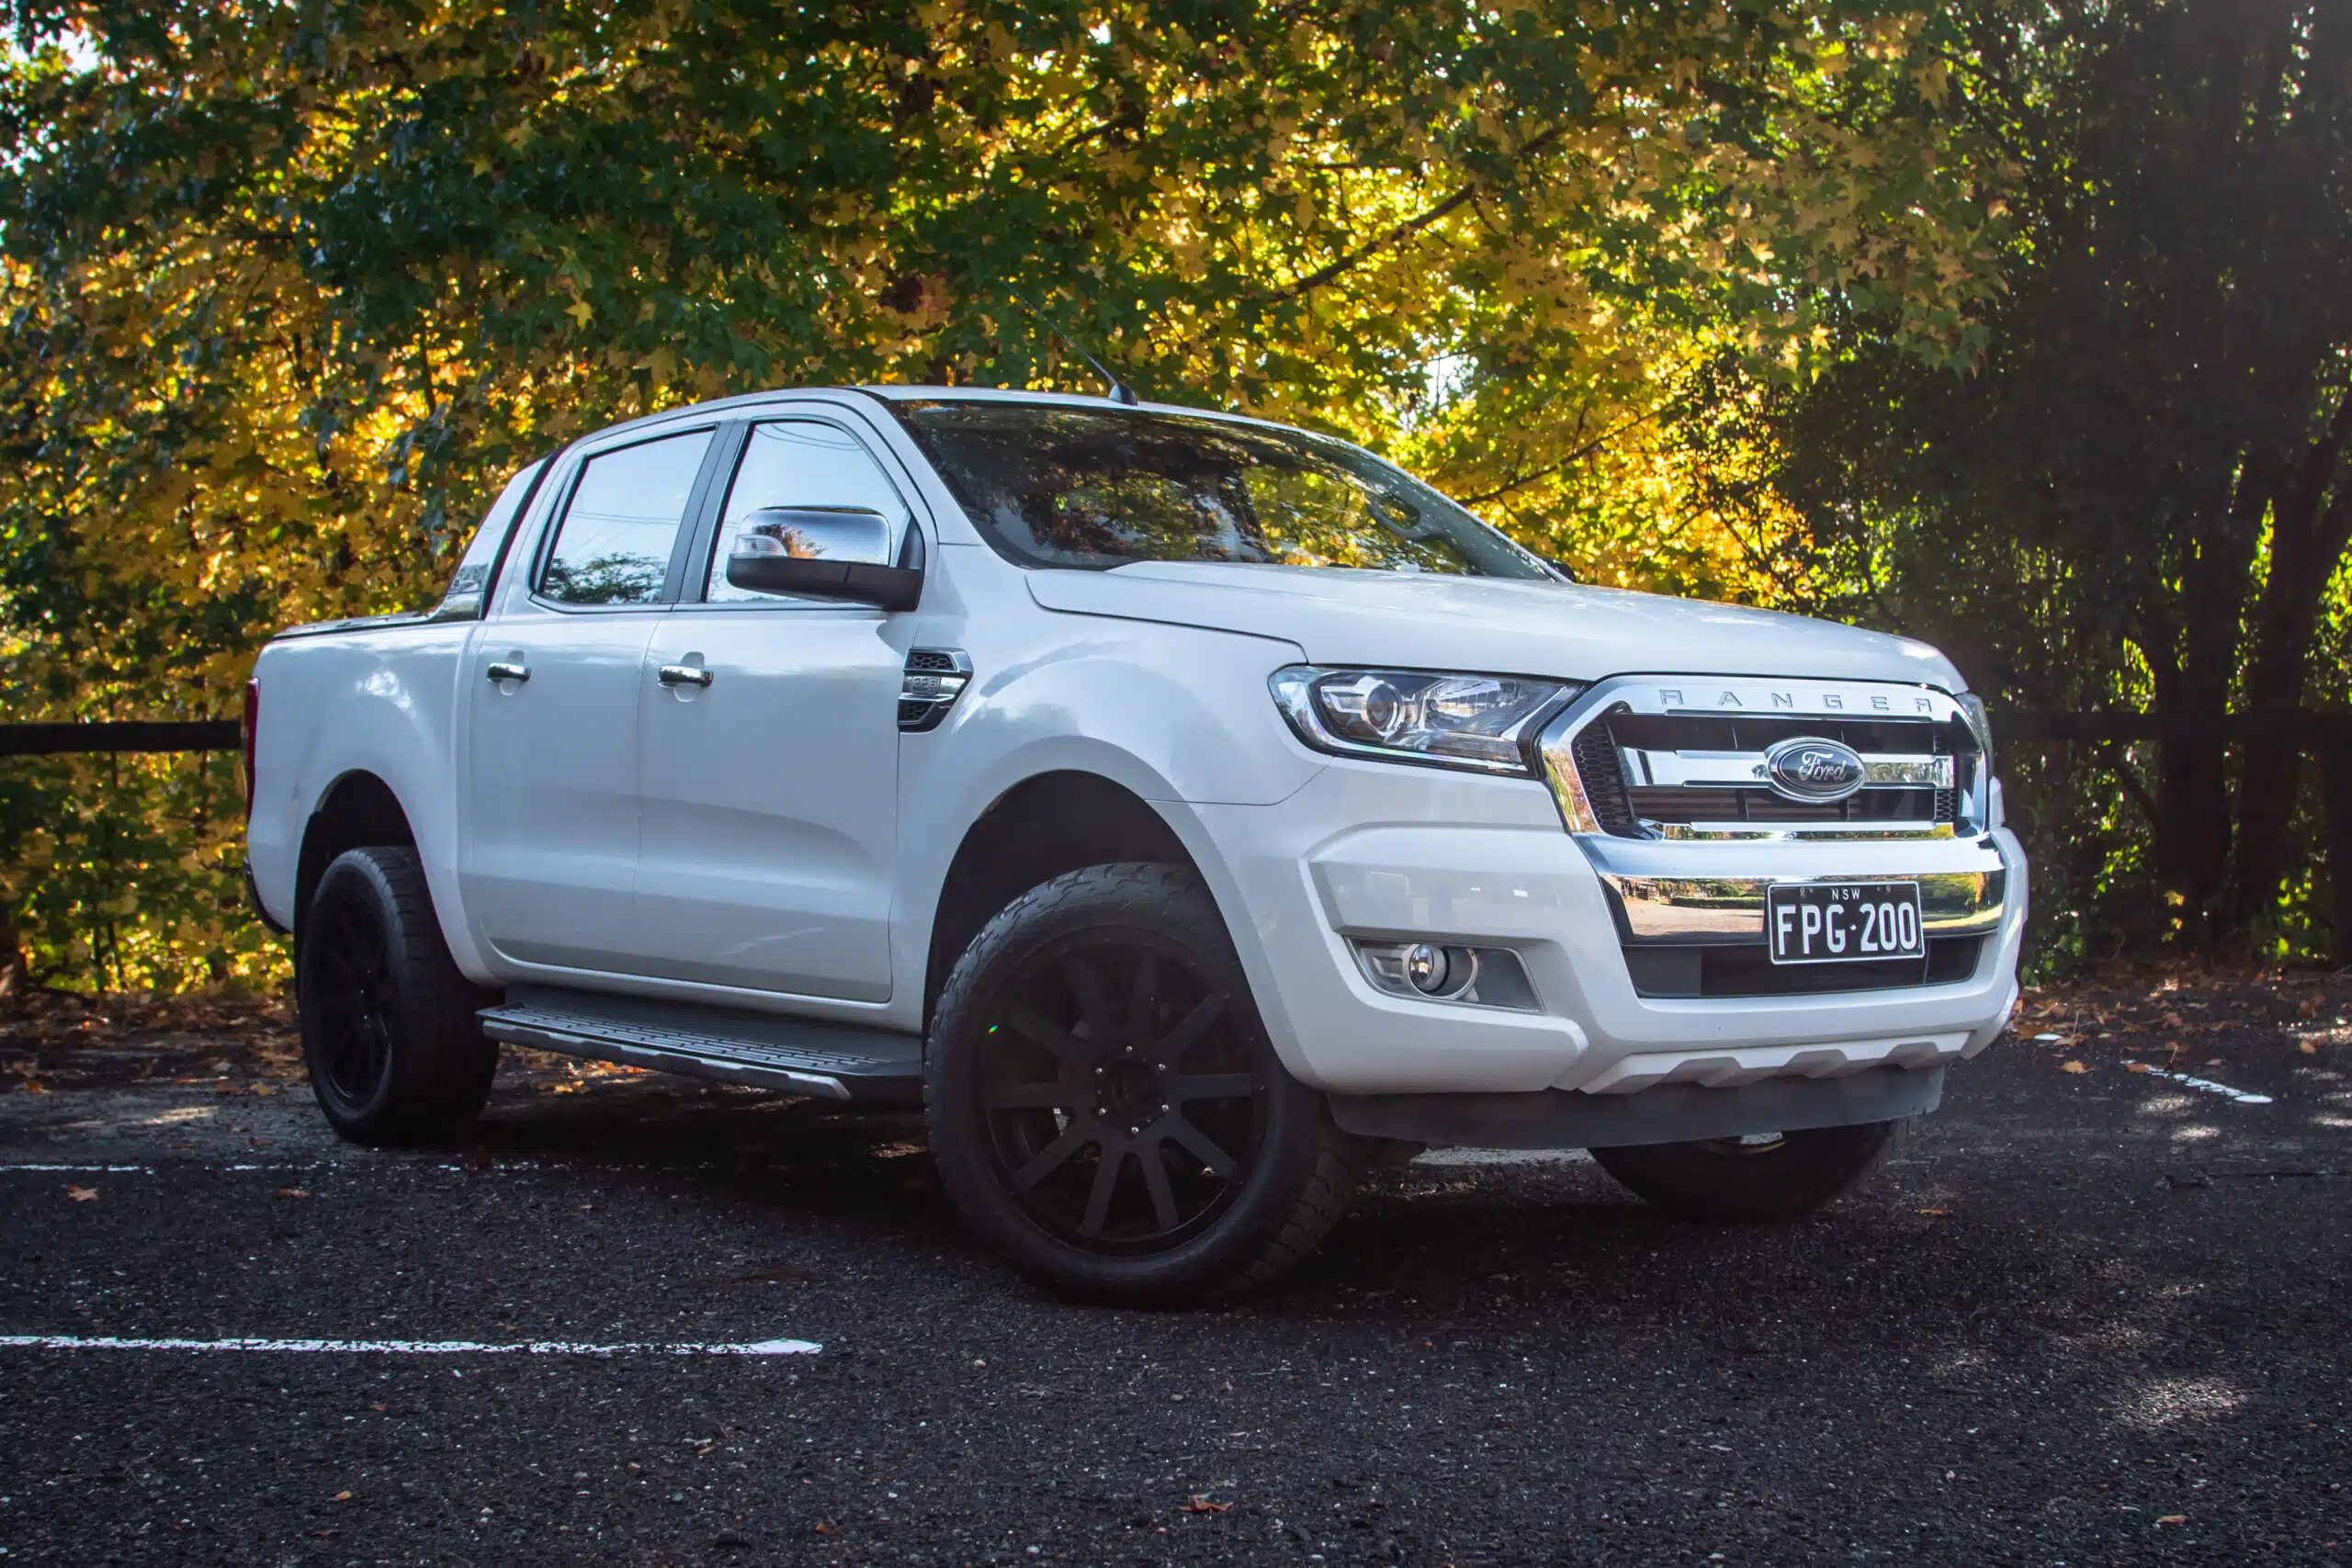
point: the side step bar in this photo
(829, 1061)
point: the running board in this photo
(829, 1061)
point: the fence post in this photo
(2336, 801)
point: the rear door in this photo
(549, 779)
(769, 764)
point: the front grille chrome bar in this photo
(1687, 769)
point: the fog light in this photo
(1423, 969)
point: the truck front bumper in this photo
(1486, 863)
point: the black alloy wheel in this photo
(389, 1033)
(1122, 1110)
(1105, 1106)
(348, 994)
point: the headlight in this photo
(1483, 723)
(1980, 723)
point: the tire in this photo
(395, 1053)
(1729, 1179)
(1102, 1023)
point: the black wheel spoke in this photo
(1155, 1181)
(1195, 1027)
(1039, 1031)
(1031, 1097)
(359, 961)
(1144, 997)
(1201, 1147)
(1053, 1155)
(350, 994)
(1098, 1198)
(1211, 1086)
(1093, 1004)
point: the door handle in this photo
(500, 670)
(685, 675)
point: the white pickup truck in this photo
(1185, 811)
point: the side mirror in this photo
(1562, 568)
(827, 552)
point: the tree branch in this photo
(1595, 445)
(1406, 229)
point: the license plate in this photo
(1844, 922)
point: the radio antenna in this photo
(1118, 391)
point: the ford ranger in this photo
(1187, 812)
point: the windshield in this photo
(1055, 486)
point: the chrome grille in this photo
(1660, 765)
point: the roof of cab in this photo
(906, 394)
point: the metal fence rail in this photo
(169, 735)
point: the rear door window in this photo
(469, 590)
(621, 525)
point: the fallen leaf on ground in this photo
(343, 1496)
(2173, 1520)
(825, 1528)
(292, 1192)
(1938, 1212)
(34, 1086)
(83, 1194)
(2135, 1066)
(1202, 1506)
(2308, 1049)
(2072, 1067)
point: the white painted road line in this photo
(410, 1347)
(87, 1170)
(2208, 1085)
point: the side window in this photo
(613, 546)
(463, 600)
(798, 463)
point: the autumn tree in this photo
(293, 287)
(2142, 498)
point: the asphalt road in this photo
(2087, 1317)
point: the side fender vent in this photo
(936, 677)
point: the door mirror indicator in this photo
(827, 552)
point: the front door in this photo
(551, 696)
(768, 778)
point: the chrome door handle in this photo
(685, 675)
(500, 670)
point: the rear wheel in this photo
(1105, 1107)
(395, 1053)
(1775, 1176)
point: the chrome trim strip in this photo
(1813, 831)
(1695, 769)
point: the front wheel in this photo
(1105, 1107)
(1775, 1176)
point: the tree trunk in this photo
(2192, 825)
(2307, 536)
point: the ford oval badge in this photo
(1809, 768)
